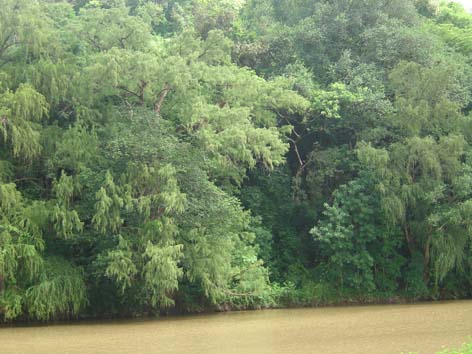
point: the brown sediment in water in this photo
(424, 327)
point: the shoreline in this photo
(175, 315)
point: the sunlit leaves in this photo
(20, 260)
(76, 150)
(60, 290)
(162, 272)
(19, 255)
(108, 207)
(328, 103)
(20, 112)
(24, 30)
(120, 265)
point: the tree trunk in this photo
(426, 259)
(409, 239)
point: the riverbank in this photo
(228, 308)
(317, 295)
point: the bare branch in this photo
(297, 152)
(162, 96)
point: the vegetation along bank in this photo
(186, 155)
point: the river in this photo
(424, 327)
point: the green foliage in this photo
(108, 207)
(380, 176)
(120, 265)
(45, 288)
(178, 153)
(20, 112)
(60, 289)
(162, 273)
(349, 237)
(416, 174)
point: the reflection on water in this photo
(347, 330)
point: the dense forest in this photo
(188, 155)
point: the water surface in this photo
(337, 330)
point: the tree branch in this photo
(121, 87)
(231, 293)
(5, 45)
(297, 152)
(162, 96)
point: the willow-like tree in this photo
(121, 151)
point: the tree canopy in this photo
(181, 155)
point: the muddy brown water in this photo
(425, 327)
